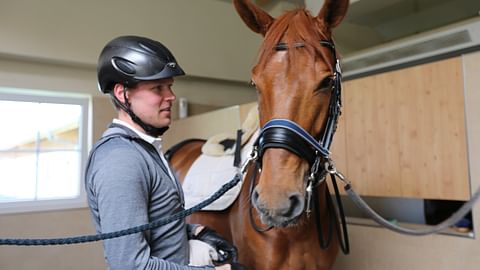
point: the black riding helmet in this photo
(131, 59)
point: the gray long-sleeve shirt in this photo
(127, 185)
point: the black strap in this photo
(324, 244)
(279, 137)
(334, 212)
(238, 149)
(343, 235)
(250, 205)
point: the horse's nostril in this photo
(296, 206)
(255, 196)
(288, 209)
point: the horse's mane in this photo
(296, 26)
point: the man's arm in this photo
(122, 198)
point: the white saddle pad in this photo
(208, 174)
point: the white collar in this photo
(156, 142)
(150, 139)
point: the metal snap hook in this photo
(253, 157)
(331, 169)
(309, 191)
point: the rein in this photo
(141, 228)
(363, 206)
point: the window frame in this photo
(84, 101)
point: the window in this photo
(42, 150)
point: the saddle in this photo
(218, 164)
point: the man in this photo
(128, 180)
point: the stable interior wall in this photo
(405, 132)
(401, 141)
(375, 248)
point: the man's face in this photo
(152, 101)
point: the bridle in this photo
(288, 135)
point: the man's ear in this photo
(118, 91)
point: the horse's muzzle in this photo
(284, 214)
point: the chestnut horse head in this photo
(296, 79)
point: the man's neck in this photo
(141, 134)
(127, 119)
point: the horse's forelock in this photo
(293, 27)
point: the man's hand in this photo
(225, 249)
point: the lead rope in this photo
(363, 206)
(103, 236)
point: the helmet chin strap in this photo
(149, 129)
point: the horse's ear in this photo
(254, 17)
(333, 12)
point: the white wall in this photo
(207, 36)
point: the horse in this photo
(295, 78)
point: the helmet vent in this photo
(147, 48)
(123, 65)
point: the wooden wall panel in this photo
(405, 132)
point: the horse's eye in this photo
(252, 83)
(325, 84)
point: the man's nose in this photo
(170, 95)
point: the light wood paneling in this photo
(392, 251)
(405, 133)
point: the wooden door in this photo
(402, 133)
